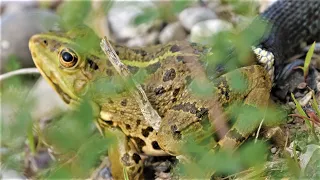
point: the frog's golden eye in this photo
(68, 58)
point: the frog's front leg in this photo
(124, 159)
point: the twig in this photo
(19, 72)
(151, 116)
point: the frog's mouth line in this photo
(65, 97)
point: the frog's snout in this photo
(37, 40)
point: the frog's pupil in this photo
(66, 56)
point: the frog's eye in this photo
(68, 58)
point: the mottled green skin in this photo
(167, 86)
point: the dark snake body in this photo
(294, 23)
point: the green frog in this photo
(172, 70)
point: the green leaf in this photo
(179, 5)
(149, 14)
(253, 154)
(315, 105)
(238, 82)
(308, 60)
(73, 13)
(300, 110)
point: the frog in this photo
(172, 69)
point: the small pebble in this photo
(172, 32)
(305, 100)
(292, 105)
(121, 19)
(273, 150)
(191, 16)
(202, 31)
(302, 85)
(141, 41)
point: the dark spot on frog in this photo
(188, 80)
(186, 107)
(133, 69)
(117, 52)
(140, 143)
(170, 74)
(174, 48)
(45, 42)
(140, 51)
(234, 134)
(223, 89)
(110, 101)
(145, 132)
(159, 90)
(153, 67)
(126, 159)
(180, 59)
(175, 92)
(215, 136)
(92, 64)
(202, 112)
(123, 102)
(136, 158)
(138, 122)
(109, 72)
(128, 127)
(174, 128)
(122, 112)
(174, 100)
(176, 134)
(140, 169)
(155, 145)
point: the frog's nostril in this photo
(45, 42)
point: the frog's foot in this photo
(126, 163)
(266, 59)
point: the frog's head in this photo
(66, 64)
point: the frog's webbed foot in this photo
(124, 159)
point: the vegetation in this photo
(80, 147)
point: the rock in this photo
(203, 30)
(145, 40)
(305, 100)
(16, 7)
(17, 28)
(292, 105)
(121, 19)
(273, 150)
(191, 16)
(172, 32)
(10, 174)
(46, 102)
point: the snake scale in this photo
(293, 24)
